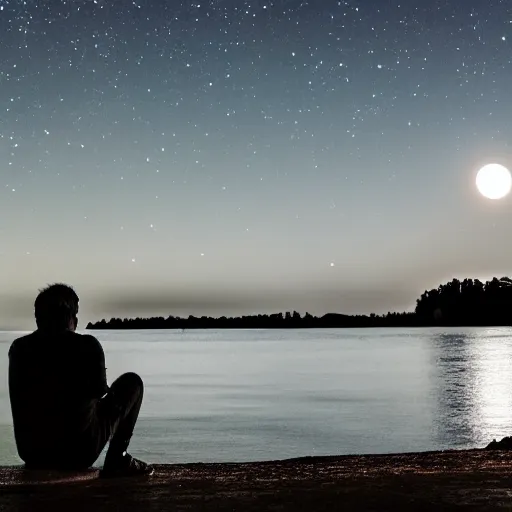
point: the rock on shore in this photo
(450, 480)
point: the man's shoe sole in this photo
(149, 472)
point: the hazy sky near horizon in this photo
(228, 157)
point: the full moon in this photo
(494, 181)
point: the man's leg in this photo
(118, 412)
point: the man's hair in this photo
(55, 306)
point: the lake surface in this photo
(250, 395)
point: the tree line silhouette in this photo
(456, 303)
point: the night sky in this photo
(227, 157)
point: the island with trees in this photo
(457, 303)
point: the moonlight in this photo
(494, 181)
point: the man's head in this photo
(56, 307)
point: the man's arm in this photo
(98, 372)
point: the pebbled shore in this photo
(449, 480)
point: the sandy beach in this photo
(449, 480)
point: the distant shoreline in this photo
(467, 303)
(88, 328)
(276, 321)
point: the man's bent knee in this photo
(132, 380)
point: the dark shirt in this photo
(55, 382)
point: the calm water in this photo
(256, 394)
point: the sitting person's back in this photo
(55, 381)
(63, 411)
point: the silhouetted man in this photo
(63, 410)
